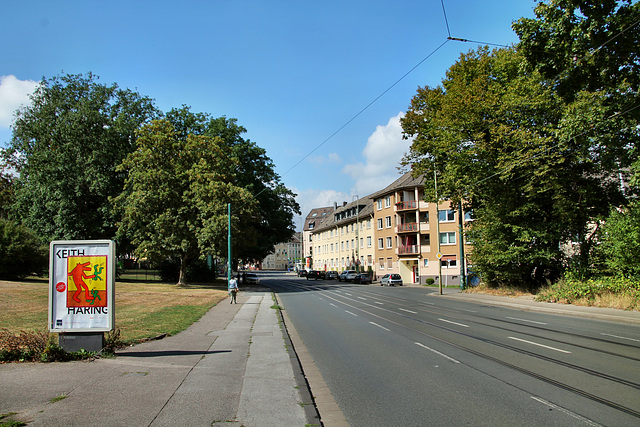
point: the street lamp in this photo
(357, 199)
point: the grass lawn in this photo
(142, 309)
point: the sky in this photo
(319, 84)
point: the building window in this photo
(380, 243)
(387, 222)
(390, 263)
(387, 201)
(381, 261)
(447, 216)
(368, 241)
(389, 242)
(448, 238)
(369, 224)
(369, 260)
(379, 204)
(379, 223)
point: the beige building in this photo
(315, 217)
(285, 255)
(344, 239)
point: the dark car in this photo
(313, 274)
(362, 278)
(331, 275)
(302, 273)
(391, 280)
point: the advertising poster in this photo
(81, 286)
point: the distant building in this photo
(315, 217)
(285, 255)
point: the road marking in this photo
(525, 320)
(408, 311)
(379, 326)
(378, 302)
(353, 314)
(455, 323)
(437, 352)
(566, 411)
(464, 309)
(540, 345)
(347, 293)
(362, 298)
(333, 304)
(622, 338)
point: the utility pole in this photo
(357, 233)
(463, 273)
(229, 271)
(439, 255)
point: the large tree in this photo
(490, 131)
(176, 196)
(65, 148)
(255, 172)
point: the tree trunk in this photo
(182, 279)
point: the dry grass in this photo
(143, 310)
(502, 292)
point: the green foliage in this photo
(571, 290)
(176, 196)
(620, 241)
(65, 148)
(21, 251)
(32, 346)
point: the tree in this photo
(255, 172)
(65, 148)
(176, 193)
(491, 132)
(21, 251)
(620, 241)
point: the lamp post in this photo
(357, 199)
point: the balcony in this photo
(408, 250)
(408, 205)
(407, 227)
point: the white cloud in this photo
(312, 199)
(382, 155)
(331, 158)
(13, 94)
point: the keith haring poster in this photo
(81, 286)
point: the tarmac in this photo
(240, 364)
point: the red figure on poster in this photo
(78, 274)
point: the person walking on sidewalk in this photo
(233, 290)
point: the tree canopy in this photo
(65, 148)
(176, 196)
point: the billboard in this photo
(81, 286)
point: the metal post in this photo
(229, 272)
(463, 275)
(435, 183)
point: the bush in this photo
(21, 252)
(35, 346)
(572, 291)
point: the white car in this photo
(391, 280)
(251, 279)
(347, 276)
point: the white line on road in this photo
(353, 314)
(333, 304)
(539, 345)
(379, 326)
(362, 298)
(408, 311)
(378, 302)
(437, 352)
(347, 293)
(622, 338)
(566, 411)
(455, 323)
(525, 320)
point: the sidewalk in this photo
(230, 367)
(527, 303)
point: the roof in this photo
(366, 209)
(316, 216)
(405, 181)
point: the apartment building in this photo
(315, 217)
(286, 255)
(397, 232)
(344, 239)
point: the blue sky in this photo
(293, 72)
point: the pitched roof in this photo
(407, 180)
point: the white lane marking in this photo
(428, 303)
(464, 309)
(333, 304)
(378, 302)
(362, 298)
(437, 352)
(525, 320)
(353, 314)
(455, 323)
(617, 336)
(408, 311)
(347, 293)
(566, 411)
(379, 326)
(539, 345)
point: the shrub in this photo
(573, 291)
(21, 251)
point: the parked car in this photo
(302, 273)
(251, 279)
(347, 275)
(313, 274)
(331, 275)
(362, 278)
(322, 274)
(391, 280)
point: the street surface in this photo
(407, 356)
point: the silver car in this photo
(391, 280)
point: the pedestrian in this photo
(233, 290)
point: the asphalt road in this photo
(405, 356)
